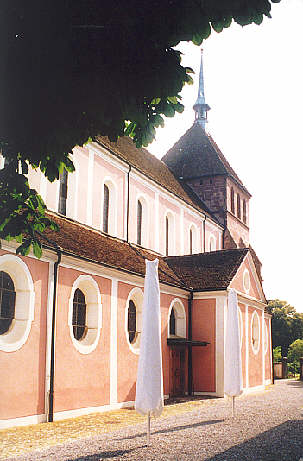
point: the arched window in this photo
(212, 243)
(62, 192)
(7, 302)
(244, 212)
(190, 241)
(169, 234)
(79, 315)
(232, 200)
(139, 223)
(132, 321)
(238, 206)
(172, 322)
(176, 319)
(105, 208)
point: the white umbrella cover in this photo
(233, 385)
(149, 388)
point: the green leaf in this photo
(173, 99)
(155, 101)
(37, 249)
(169, 110)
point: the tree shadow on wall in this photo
(282, 443)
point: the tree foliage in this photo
(72, 70)
(295, 352)
(287, 324)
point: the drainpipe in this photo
(190, 351)
(52, 353)
(127, 207)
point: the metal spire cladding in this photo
(200, 107)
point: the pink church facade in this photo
(96, 370)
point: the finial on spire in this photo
(200, 107)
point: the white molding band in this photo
(22, 421)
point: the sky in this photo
(253, 83)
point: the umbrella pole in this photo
(148, 428)
(233, 406)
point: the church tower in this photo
(197, 161)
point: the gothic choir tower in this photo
(197, 161)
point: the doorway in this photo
(177, 372)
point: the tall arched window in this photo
(244, 212)
(139, 223)
(132, 321)
(7, 302)
(172, 322)
(238, 206)
(191, 241)
(105, 208)
(79, 315)
(169, 234)
(62, 193)
(232, 200)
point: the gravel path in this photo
(268, 426)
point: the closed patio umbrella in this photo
(233, 385)
(149, 387)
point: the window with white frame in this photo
(17, 303)
(109, 209)
(85, 314)
(193, 240)
(212, 243)
(176, 319)
(142, 222)
(133, 319)
(169, 234)
(62, 192)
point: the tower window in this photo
(105, 208)
(132, 322)
(7, 302)
(62, 192)
(238, 206)
(232, 200)
(79, 315)
(244, 212)
(139, 223)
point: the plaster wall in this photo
(23, 371)
(81, 380)
(204, 358)
(255, 371)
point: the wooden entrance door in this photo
(177, 371)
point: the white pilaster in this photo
(113, 343)
(90, 181)
(263, 350)
(246, 346)
(220, 343)
(157, 223)
(181, 251)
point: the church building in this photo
(70, 322)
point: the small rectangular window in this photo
(63, 193)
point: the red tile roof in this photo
(202, 272)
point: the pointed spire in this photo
(200, 107)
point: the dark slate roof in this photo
(201, 272)
(196, 155)
(153, 168)
(207, 271)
